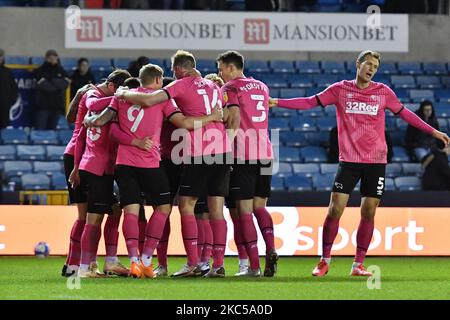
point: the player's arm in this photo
(73, 106)
(326, 97)
(80, 145)
(233, 121)
(101, 119)
(96, 104)
(190, 123)
(142, 99)
(125, 138)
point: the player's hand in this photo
(87, 121)
(143, 144)
(441, 136)
(273, 102)
(120, 92)
(217, 114)
(74, 178)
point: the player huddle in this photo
(206, 139)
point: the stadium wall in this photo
(30, 32)
(298, 231)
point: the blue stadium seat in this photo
(383, 78)
(391, 123)
(323, 182)
(328, 168)
(409, 67)
(408, 183)
(311, 113)
(389, 184)
(100, 75)
(324, 80)
(8, 152)
(399, 154)
(289, 154)
(442, 95)
(443, 124)
(398, 138)
(274, 92)
(300, 80)
(101, 64)
(55, 153)
(402, 94)
(412, 169)
(69, 63)
(122, 63)
(314, 154)
(394, 170)
(291, 93)
(282, 113)
(403, 82)
(161, 62)
(446, 81)
(277, 184)
(321, 138)
(62, 123)
(274, 80)
(283, 170)
(282, 66)
(298, 183)
(206, 66)
(387, 67)
(306, 169)
(14, 136)
(64, 136)
(35, 181)
(293, 139)
(333, 67)
(17, 168)
(59, 181)
(308, 66)
(401, 124)
(421, 95)
(442, 109)
(330, 111)
(434, 68)
(257, 66)
(326, 123)
(332, 8)
(43, 137)
(17, 60)
(279, 123)
(47, 167)
(303, 124)
(37, 60)
(429, 82)
(25, 152)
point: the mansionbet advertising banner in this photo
(200, 30)
(298, 231)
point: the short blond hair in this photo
(149, 72)
(362, 56)
(215, 77)
(183, 59)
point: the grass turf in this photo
(401, 278)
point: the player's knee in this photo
(335, 211)
(368, 213)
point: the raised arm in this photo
(73, 106)
(295, 103)
(190, 123)
(142, 99)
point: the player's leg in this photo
(198, 211)
(142, 225)
(208, 242)
(347, 177)
(238, 236)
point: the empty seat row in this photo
(41, 137)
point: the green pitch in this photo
(401, 278)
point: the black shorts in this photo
(100, 192)
(372, 178)
(199, 179)
(173, 173)
(249, 180)
(152, 182)
(78, 195)
(201, 206)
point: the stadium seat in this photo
(389, 184)
(291, 93)
(64, 136)
(387, 67)
(283, 113)
(434, 68)
(409, 67)
(206, 66)
(399, 154)
(300, 80)
(326, 123)
(8, 152)
(37, 60)
(333, 67)
(274, 80)
(283, 170)
(429, 82)
(323, 182)
(35, 181)
(443, 124)
(402, 95)
(293, 139)
(62, 123)
(69, 63)
(277, 184)
(55, 153)
(401, 124)
(43, 137)
(49, 168)
(324, 80)
(26, 152)
(311, 113)
(298, 183)
(442, 109)
(14, 136)
(328, 168)
(398, 138)
(306, 169)
(383, 78)
(289, 154)
(446, 81)
(406, 82)
(421, 95)
(122, 63)
(408, 183)
(308, 66)
(321, 138)
(313, 154)
(394, 170)
(17, 60)
(330, 111)
(274, 92)
(253, 66)
(300, 123)
(59, 181)
(282, 66)
(162, 63)
(17, 168)
(442, 95)
(412, 169)
(101, 64)
(279, 123)
(391, 122)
